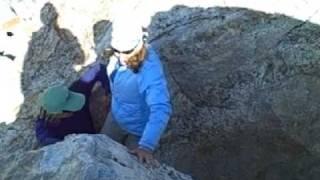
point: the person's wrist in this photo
(145, 148)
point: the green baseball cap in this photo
(57, 99)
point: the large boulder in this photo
(83, 157)
(245, 87)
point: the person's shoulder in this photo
(152, 58)
(93, 68)
(152, 54)
(95, 64)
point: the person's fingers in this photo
(44, 113)
(45, 118)
(141, 158)
(49, 118)
(148, 163)
(148, 160)
(132, 151)
(41, 114)
(155, 163)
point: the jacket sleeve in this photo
(42, 134)
(154, 86)
(96, 72)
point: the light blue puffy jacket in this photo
(140, 101)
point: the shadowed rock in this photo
(245, 88)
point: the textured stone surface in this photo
(52, 54)
(245, 88)
(22, 19)
(83, 157)
(25, 15)
(50, 59)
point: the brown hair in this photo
(136, 58)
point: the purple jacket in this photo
(80, 121)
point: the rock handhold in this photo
(86, 157)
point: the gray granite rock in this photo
(52, 54)
(245, 88)
(50, 60)
(84, 157)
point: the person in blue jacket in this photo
(140, 104)
(66, 110)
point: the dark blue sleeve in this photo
(42, 133)
(95, 72)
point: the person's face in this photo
(125, 56)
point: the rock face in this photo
(84, 157)
(62, 50)
(50, 59)
(19, 19)
(244, 88)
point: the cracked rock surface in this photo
(245, 88)
(84, 157)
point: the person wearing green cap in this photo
(66, 110)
